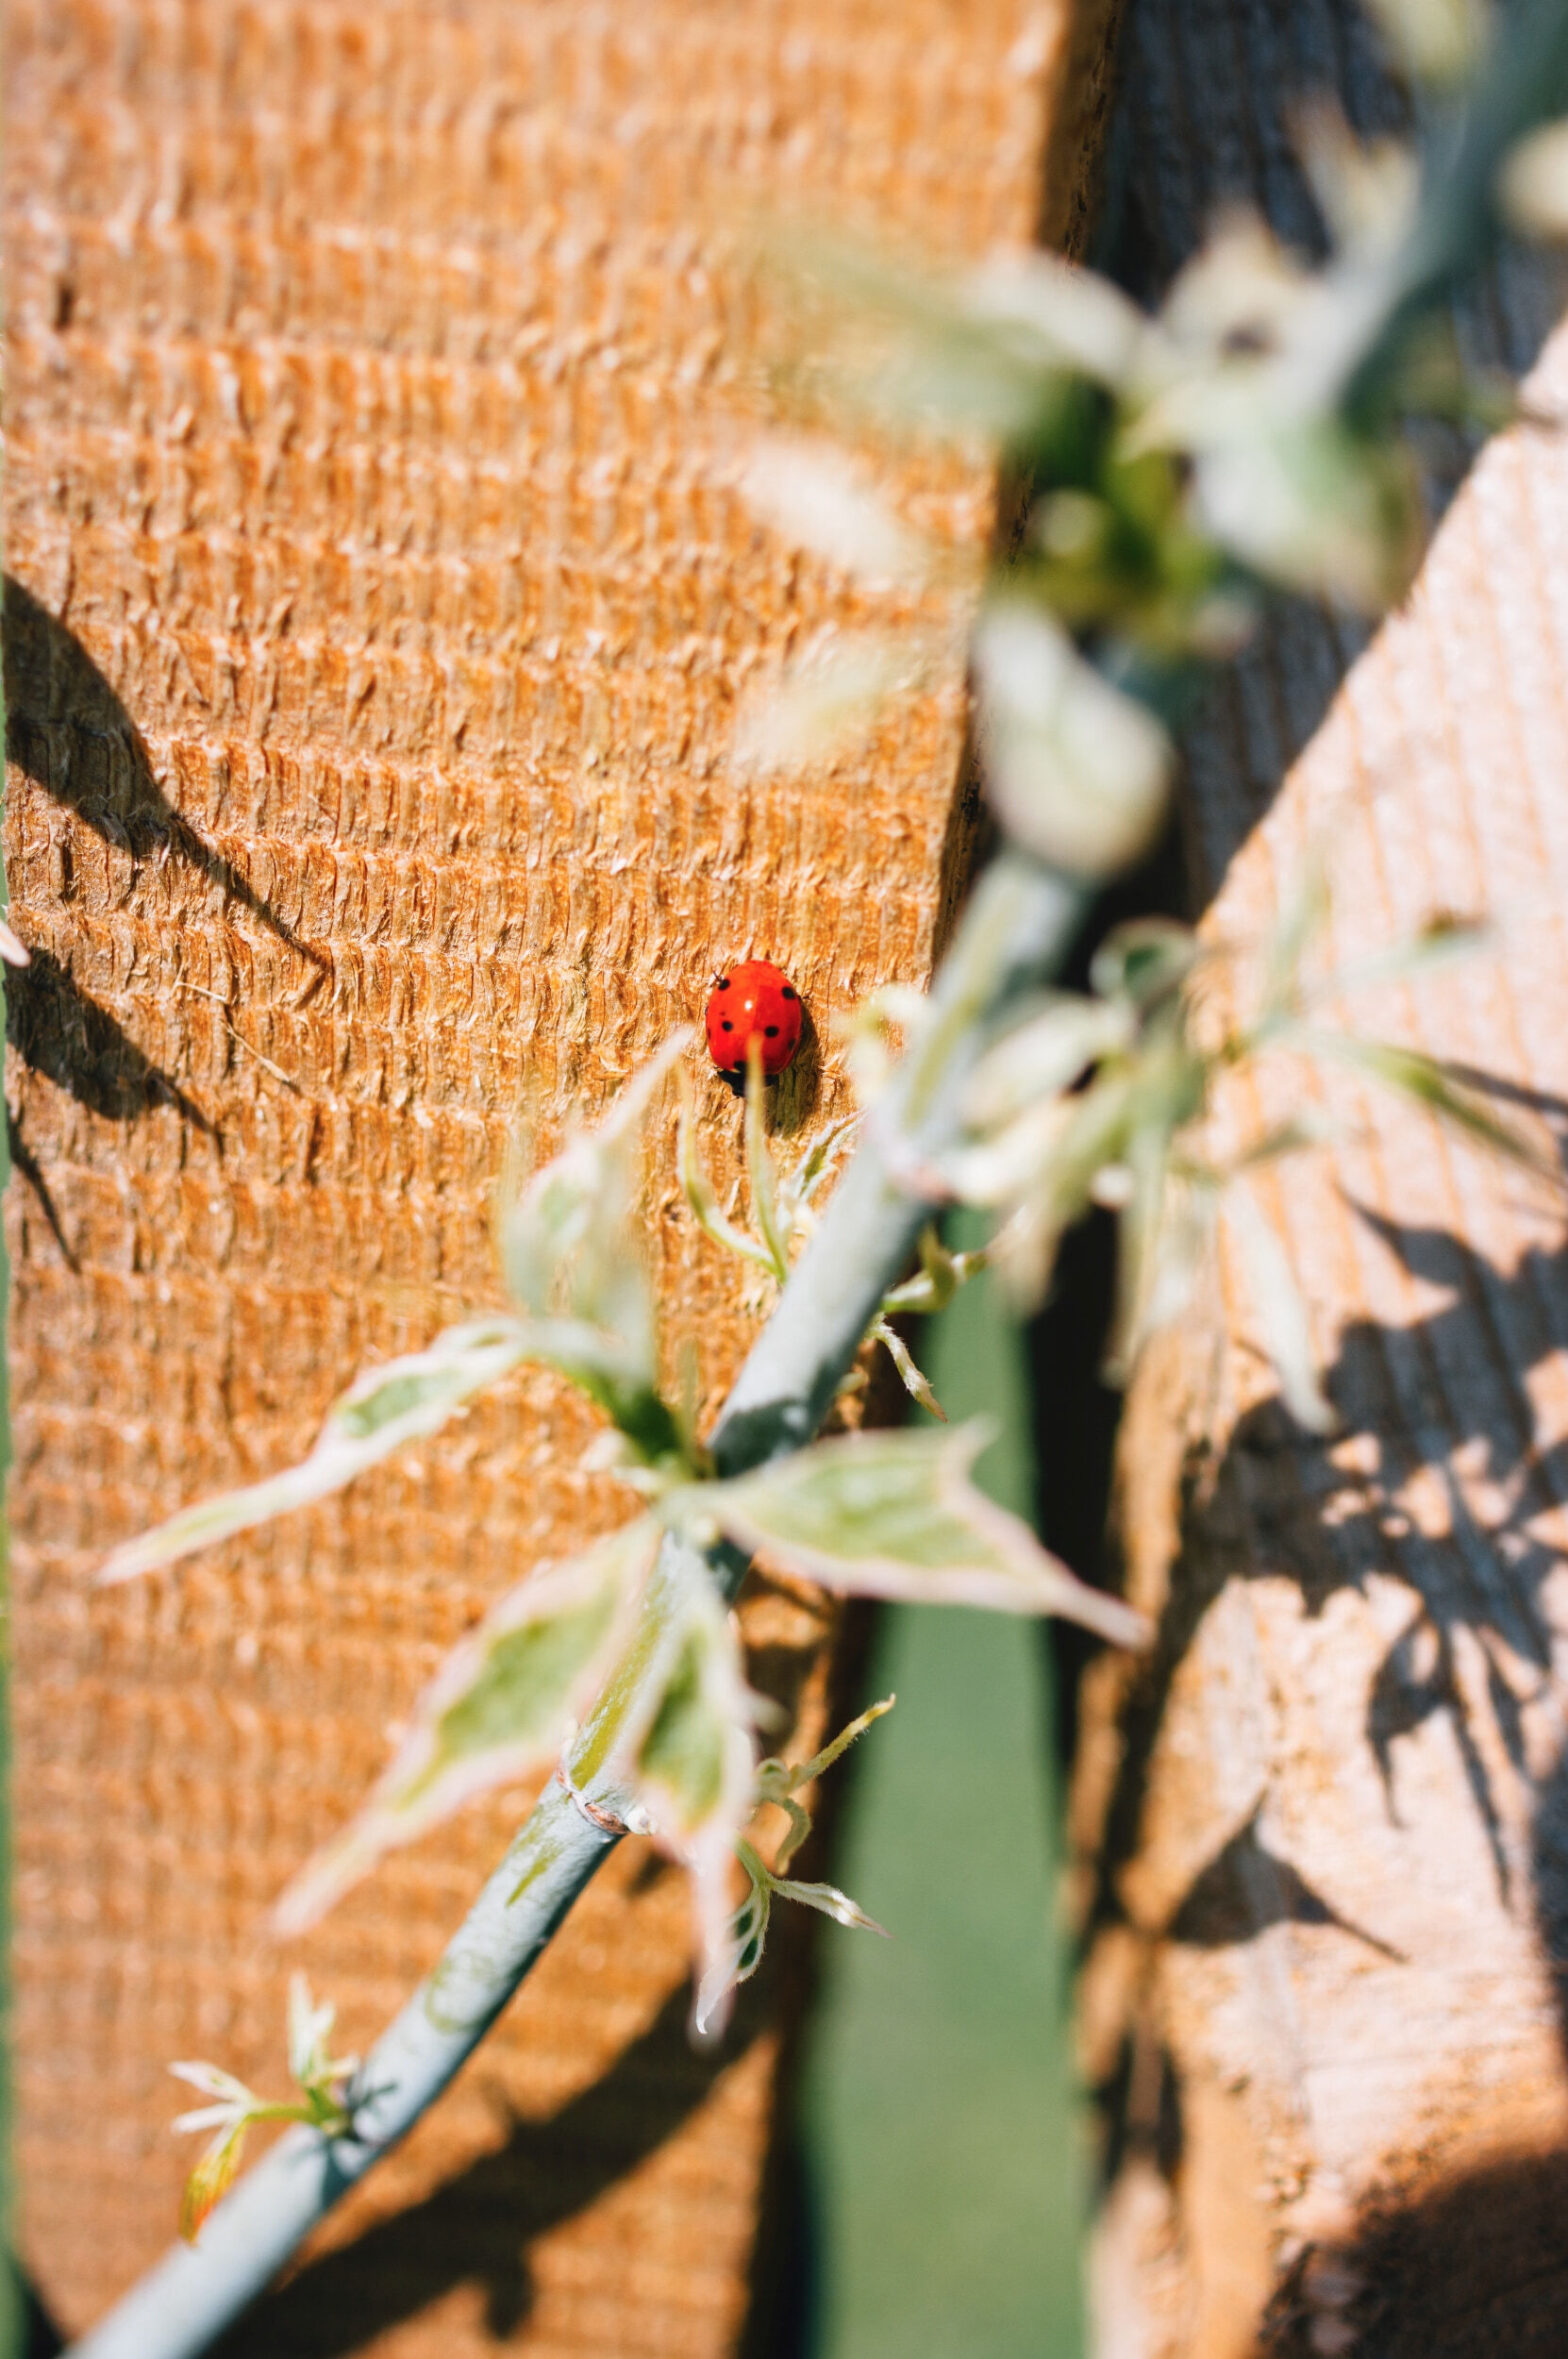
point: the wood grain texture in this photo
(1325, 1831)
(381, 604)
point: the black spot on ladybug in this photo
(722, 984)
(771, 1030)
(727, 1026)
(790, 992)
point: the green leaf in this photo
(698, 1190)
(1284, 1328)
(940, 1276)
(687, 1752)
(1439, 943)
(569, 1257)
(1076, 771)
(895, 1515)
(1436, 41)
(1430, 1083)
(988, 353)
(566, 1239)
(913, 1379)
(1143, 960)
(827, 701)
(829, 1902)
(759, 1166)
(815, 497)
(499, 1707)
(382, 1409)
(776, 1780)
(211, 2180)
(740, 1952)
(1298, 925)
(1055, 1044)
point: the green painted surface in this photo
(943, 2136)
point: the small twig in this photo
(235, 1033)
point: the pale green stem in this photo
(187, 2299)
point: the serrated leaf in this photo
(828, 1901)
(1440, 942)
(565, 1233)
(895, 1515)
(211, 2180)
(982, 354)
(212, 2081)
(759, 1166)
(1139, 1226)
(1429, 1083)
(1075, 771)
(1300, 921)
(1533, 186)
(1043, 1055)
(688, 1757)
(814, 496)
(1438, 41)
(499, 1707)
(826, 702)
(1143, 960)
(700, 1195)
(382, 1409)
(913, 1379)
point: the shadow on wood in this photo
(476, 2226)
(68, 731)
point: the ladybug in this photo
(754, 1001)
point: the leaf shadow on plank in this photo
(477, 2226)
(59, 1032)
(68, 731)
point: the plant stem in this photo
(188, 2298)
(1019, 925)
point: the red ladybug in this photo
(754, 1001)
